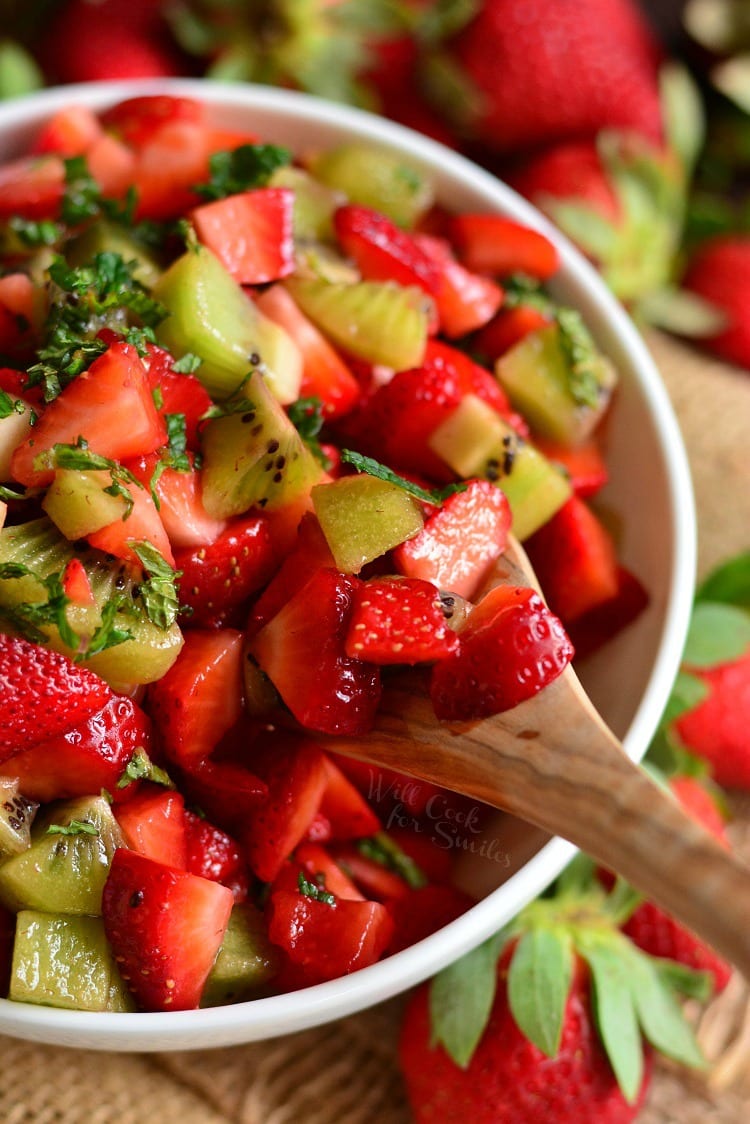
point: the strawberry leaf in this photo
(659, 1012)
(718, 633)
(461, 998)
(539, 981)
(687, 981)
(613, 1004)
(688, 692)
(729, 583)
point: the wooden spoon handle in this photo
(553, 762)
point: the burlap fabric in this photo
(346, 1073)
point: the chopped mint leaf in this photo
(245, 167)
(82, 197)
(384, 850)
(539, 980)
(177, 442)
(306, 415)
(158, 590)
(718, 633)
(187, 364)
(141, 768)
(461, 998)
(108, 634)
(75, 827)
(382, 472)
(158, 397)
(31, 617)
(10, 405)
(581, 355)
(9, 494)
(35, 234)
(82, 301)
(522, 291)
(315, 890)
(140, 338)
(728, 583)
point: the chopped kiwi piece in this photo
(476, 441)
(66, 865)
(78, 503)
(39, 546)
(211, 316)
(16, 817)
(562, 397)
(61, 961)
(254, 458)
(246, 960)
(378, 321)
(106, 237)
(314, 203)
(362, 517)
(376, 177)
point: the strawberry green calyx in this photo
(541, 955)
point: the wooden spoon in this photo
(552, 761)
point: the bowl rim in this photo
(284, 1014)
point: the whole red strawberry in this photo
(611, 195)
(543, 1024)
(718, 728)
(509, 1080)
(719, 271)
(546, 71)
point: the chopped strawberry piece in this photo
(500, 246)
(165, 927)
(315, 864)
(213, 854)
(137, 120)
(14, 383)
(200, 698)
(227, 791)
(32, 186)
(170, 162)
(575, 561)
(220, 576)
(296, 777)
(325, 375)
(70, 132)
(183, 515)
(94, 405)
(506, 329)
(311, 552)
(382, 251)
(375, 880)
(595, 627)
(153, 824)
(19, 305)
(76, 584)
(511, 647)
(584, 464)
(112, 165)
(142, 524)
(465, 300)
(86, 757)
(328, 940)
(301, 650)
(424, 910)
(396, 421)
(345, 810)
(177, 393)
(459, 542)
(44, 694)
(251, 233)
(387, 789)
(398, 620)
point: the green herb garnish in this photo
(141, 768)
(315, 890)
(245, 167)
(75, 827)
(374, 468)
(158, 590)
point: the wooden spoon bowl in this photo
(553, 762)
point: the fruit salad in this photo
(266, 422)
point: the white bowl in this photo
(629, 680)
